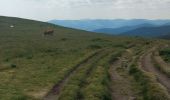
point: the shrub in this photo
(64, 39)
(94, 46)
(29, 57)
(115, 56)
(6, 60)
(13, 66)
(98, 40)
(165, 53)
(19, 97)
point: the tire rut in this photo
(54, 92)
(122, 85)
(89, 72)
(148, 66)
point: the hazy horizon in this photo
(44, 10)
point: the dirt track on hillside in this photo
(147, 65)
(122, 84)
(55, 91)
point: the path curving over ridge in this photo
(147, 65)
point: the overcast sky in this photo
(86, 9)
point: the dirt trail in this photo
(54, 92)
(147, 65)
(122, 84)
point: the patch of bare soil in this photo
(122, 84)
(147, 65)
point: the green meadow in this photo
(31, 63)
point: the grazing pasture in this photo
(72, 64)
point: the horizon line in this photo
(88, 18)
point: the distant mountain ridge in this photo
(132, 27)
(154, 31)
(91, 25)
(121, 29)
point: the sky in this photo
(45, 10)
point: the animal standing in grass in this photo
(49, 33)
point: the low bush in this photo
(20, 97)
(94, 46)
(64, 39)
(115, 56)
(165, 53)
(13, 66)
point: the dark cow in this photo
(48, 32)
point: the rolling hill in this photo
(108, 25)
(117, 31)
(157, 31)
(77, 65)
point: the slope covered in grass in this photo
(31, 64)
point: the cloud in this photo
(80, 9)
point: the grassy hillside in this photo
(32, 64)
